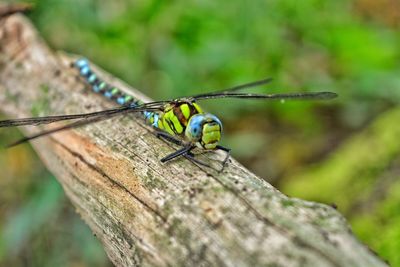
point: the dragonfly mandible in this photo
(180, 121)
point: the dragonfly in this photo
(180, 121)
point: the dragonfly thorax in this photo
(204, 130)
(175, 117)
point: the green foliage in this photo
(36, 213)
(379, 227)
(353, 167)
(361, 177)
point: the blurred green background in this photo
(344, 152)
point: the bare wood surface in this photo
(150, 214)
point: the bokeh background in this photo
(345, 152)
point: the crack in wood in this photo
(102, 173)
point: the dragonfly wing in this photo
(50, 119)
(72, 125)
(235, 88)
(290, 96)
(82, 122)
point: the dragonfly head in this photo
(204, 130)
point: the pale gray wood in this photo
(150, 214)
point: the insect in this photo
(180, 121)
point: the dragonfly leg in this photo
(177, 153)
(190, 156)
(187, 153)
(169, 138)
(228, 153)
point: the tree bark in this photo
(151, 214)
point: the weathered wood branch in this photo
(9, 9)
(151, 214)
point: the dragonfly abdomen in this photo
(154, 119)
(101, 87)
(115, 94)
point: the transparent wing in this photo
(82, 122)
(289, 96)
(231, 93)
(50, 119)
(235, 88)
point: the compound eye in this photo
(196, 130)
